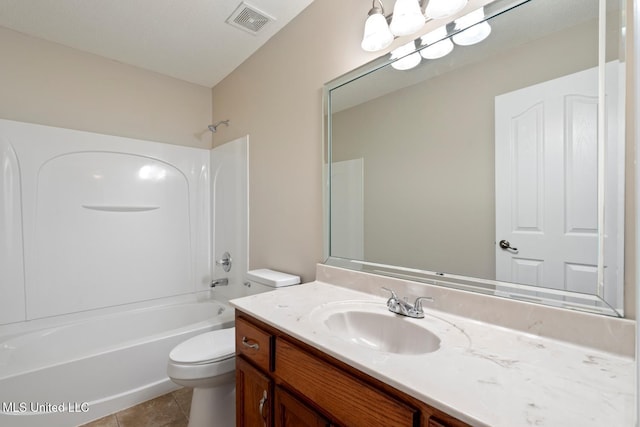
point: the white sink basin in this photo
(381, 332)
(371, 325)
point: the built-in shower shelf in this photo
(114, 208)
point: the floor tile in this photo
(108, 421)
(162, 411)
(183, 397)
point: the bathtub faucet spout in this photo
(220, 282)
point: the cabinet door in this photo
(290, 412)
(254, 392)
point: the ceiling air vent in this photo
(249, 18)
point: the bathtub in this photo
(87, 366)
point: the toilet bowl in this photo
(207, 363)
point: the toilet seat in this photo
(210, 347)
(198, 361)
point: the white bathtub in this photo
(93, 365)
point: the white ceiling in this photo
(185, 39)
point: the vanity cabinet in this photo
(281, 381)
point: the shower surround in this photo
(105, 264)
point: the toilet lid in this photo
(204, 348)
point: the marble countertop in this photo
(482, 374)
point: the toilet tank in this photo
(264, 279)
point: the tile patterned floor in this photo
(169, 410)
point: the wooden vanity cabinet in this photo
(283, 382)
(254, 384)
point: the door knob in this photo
(504, 244)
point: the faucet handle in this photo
(417, 306)
(393, 294)
(393, 303)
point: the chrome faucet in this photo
(404, 308)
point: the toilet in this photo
(207, 362)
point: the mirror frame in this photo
(546, 296)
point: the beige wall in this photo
(46, 83)
(276, 97)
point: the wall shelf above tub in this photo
(116, 208)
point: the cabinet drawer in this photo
(255, 344)
(346, 399)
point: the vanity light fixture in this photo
(477, 30)
(439, 45)
(377, 35)
(407, 17)
(405, 59)
(439, 9)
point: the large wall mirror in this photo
(498, 168)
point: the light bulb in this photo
(407, 17)
(407, 60)
(477, 30)
(376, 32)
(438, 45)
(439, 9)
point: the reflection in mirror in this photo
(495, 168)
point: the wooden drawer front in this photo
(347, 400)
(254, 343)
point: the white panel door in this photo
(546, 182)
